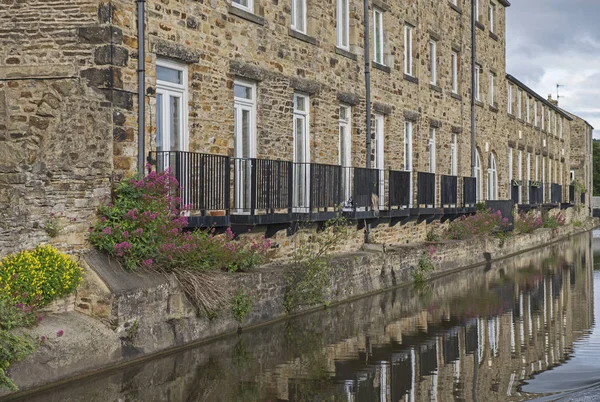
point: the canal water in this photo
(519, 329)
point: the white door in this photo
(378, 147)
(301, 153)
(244, 128)
(345, 160)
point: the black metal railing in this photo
(572, 194)
(426, 189)
(270, 186)
(555, 193)
(583, 198)
(366, 184)
(449, 190)
(204, 179)
(325, 186)
(514, 193)
(400, 189)
(469, 191)
(536, 194)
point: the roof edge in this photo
(538, 97)
(505, 3)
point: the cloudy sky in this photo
(553, 42)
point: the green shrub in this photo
(528, 222)
(482, 223)
(241, 306)
(425, 266)
(554, 221)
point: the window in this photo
(433, 61)
(408, 50)
(510, 98)
(478, 177)
(555, 123)
(343, 24)
(477, 91)
(378, 35)
(527, 112)
(519, 102)
(510, 166)
(492, 186)
(345, 148)
(492, 11)
(537, 167)
(492, 93)
(244, 136)
(171, 107)
(528, 169)
(379, 149)
(561, 128)
(543, 119)
(477, 10)
(431, 150)
(247, 5)
(299, 15)
(535, 114)
(453, 156)
(454, 72)
(408, 162)
(301, 150)
(549, 120)
(520, 174)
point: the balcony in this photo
(246, 192)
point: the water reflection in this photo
(474, 336)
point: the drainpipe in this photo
(141, 84)
(367, 99)
(473, 61)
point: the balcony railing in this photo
(555, 193)
(536, 194)
(572, 194)
(252, 190)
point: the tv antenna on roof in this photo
(557, 94)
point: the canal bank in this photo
(121, 316)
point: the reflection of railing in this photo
(203, 178)
(469, 191)
(555, 193)
(426, 189)
(399, 189)
(449, 186)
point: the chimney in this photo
(554, 102)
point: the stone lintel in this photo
(435, 35)
(435, 123)
(382, 108)
(381, 5)
(348, 98)
(174, 51)
(512, 144)
(411, 115)
(456, 130)
(521, 147)
(307, 86)
(246, 70)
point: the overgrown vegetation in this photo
(425, 266)
(528, 222)
(29, 280)
(310, 269)
(143, 227)
(241, 306)
(484, 222)
(433, 236)
(553, 221)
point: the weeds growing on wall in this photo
(143, 227)
(553, 221)
(309, 275)
(241, 306)
(484, 222)
(425, 266)
(527, 222)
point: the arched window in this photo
(492, 184)
(478, 177)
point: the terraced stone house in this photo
(259, 107)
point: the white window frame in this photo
(453, 156)
(510, 97)
(519, 103)
(244, 104)
(345, 148)
(302, 202)
(408, 154)
(492, 16)
(555, 123)
(535, 114)
(492, 94)
(561, 128)
(249, 7)
(527, 108)
(520, 174)
(299, 25)
(478, 176)
(378, 47)
(543, 118)
(433, 61)
(477, 86)
(528, 173)
(510, 166)
(408, 49)
(167, 89)
(432, 153)
(343, 30)
(454, 72)
(379, 149)
(477, 10)
(537, 167)
(492, 178)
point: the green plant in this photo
(578, 224)
(241, 306)
(553, 221)
(39, 276)
(55, 224)
(425, 266)
(528, 222)
(432, 236)
(502, 236)
(310, 271)
(482, 223)
(480, 207)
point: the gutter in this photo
(367, 99)
(537, 96)
(141, 84)
(473, 61)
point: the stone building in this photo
(281, 81)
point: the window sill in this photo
(562, 140)
(410, 78)
(479, 25)
(301, 36)
(435, 88)
(248, 16)
(511, 116)
(345, 53)
(521, 120)
(456, 96)
(493, 109)
(479, 103)
(381, 67)
(528, 124)
(455, 7)
(493, 36)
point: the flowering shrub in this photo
(144, 227)
(425, 266)
(482, 223)
(37, 277)
(528, 222)
(555, 221)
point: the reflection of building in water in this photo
(477, 347)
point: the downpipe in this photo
(367, 100)
(141, 5)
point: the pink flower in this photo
(107, 231)
(60, 333)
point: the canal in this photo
(518, 329)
